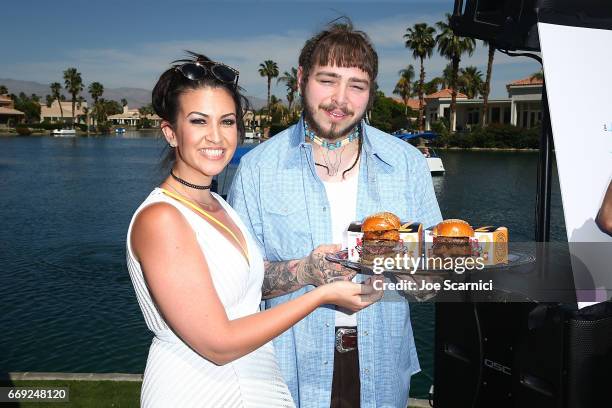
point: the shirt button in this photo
(366, 370)
(325, 362)
(365, 333)
(326, 324)
(324, 208)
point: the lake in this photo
(67, 300)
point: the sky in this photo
(130, 43)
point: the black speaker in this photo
(522, 355)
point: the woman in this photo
(196, 271)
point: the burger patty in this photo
(379, 248)
(452, 246)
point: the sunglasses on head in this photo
(199, 70)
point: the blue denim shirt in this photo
(283, 202)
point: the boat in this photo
(63, 132)
(120, 130)
(434, 162)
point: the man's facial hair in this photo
(333, 133)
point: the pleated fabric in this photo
(177, 376)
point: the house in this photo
(521, 108)
(8, 114)
(54, 114)
(132, 117)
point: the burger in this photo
(381, 238)
(452, 239)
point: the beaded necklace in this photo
(310, 134)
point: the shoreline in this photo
(489, 149)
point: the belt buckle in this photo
(339, 334)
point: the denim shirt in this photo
(283, 202)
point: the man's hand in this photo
(316, 270)
(285, 277)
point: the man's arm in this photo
(285, 277)
(604, 216)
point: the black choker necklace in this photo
(188, 184)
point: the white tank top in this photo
(342, 197)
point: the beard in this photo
(334, 132)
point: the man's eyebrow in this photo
(327, 73)
(334, 75)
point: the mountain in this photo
(136, 97)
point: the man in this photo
(300, 190)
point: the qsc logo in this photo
(497, 366)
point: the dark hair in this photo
(172, 84)
(340, 45)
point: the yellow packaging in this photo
(492, 244)
(411, 235)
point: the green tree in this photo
(74, 85)
(29, 105)
(387, 114)
(123, 103)
(56, 93)
(145, 111)
(291, 82)
(537, 75)
(470, 81)
(268, 69)
(452, 47)
(403, 87)
(96, 90)
(487, 85)
(420, 39)
(3, 90)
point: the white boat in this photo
(433, 160)
(63, 132)
(120, 130)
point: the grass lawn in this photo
(120, 394)
(90, 394)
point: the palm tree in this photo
(268, 69)
(56, 94)
(403, 87)
(487, 85)
(74, 85)
(3, 90)
(453, 47)
(291, 82)
(49, 100)
(124, 102)
(470, 81)
(420, 39)
(96, 90)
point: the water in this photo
(66, 299)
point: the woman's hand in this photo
(352, 296)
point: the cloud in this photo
(139, 65)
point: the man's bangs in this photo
(344, 55)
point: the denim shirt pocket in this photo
(286, 229)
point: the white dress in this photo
(175, 375)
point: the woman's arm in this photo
(179, 280)
(604, 216)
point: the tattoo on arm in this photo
(280, 278)
(285, 277)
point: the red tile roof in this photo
(445, 93)
(526, 81)
(412, 103)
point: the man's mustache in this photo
(333, 106)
